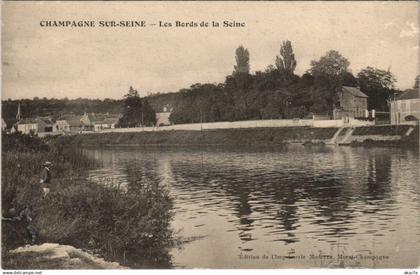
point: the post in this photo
(142, 121)
(201, 120)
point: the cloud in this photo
(409, 30)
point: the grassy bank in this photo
(410, 141)
(388, 130)
(249, 137)
(129, 227)
(228, 137)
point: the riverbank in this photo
(381, 135)
(132, 228)
(56, 256)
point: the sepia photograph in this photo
(211, 135)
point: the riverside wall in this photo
(257, 136)
(269, 123)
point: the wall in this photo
(163, 118)
(355, 122)
(328, 123)
(351, 106)
(26, 128)
(402, 108)
(275, 123)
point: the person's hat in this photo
(47, 163)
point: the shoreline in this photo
(387, 135)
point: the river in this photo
(281, 208)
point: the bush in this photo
(130, 225)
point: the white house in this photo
(108, 122)
(405, 107)
(28, 126)
(162, 118)
(62, 126)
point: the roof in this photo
(46, 120)
(409, 94)
(72, 120)
(62, 122)
(27, 121)
(354, 91)
(111, 120)
(96, 117)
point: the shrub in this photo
(129, 225)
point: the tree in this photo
(416, 82)
(242, 61)
(136, 112)
(331, 65)
(286, 62)
(377, 85)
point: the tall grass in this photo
(131, 226)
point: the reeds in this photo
(129, 225)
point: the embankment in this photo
(379, 135)
(228, 137)
(56, 256)
(132, 228)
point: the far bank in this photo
(386, 135)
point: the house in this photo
(35, 126)
(162, 118)
(28, 126)
(405, 107)
(97, 122)
(352, 103)
(87, 121)
(46, 125)
(74, 122)
(109, 122)
(62, 126)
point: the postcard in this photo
(217, 135)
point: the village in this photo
(352, 112)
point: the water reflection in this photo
(260, 201)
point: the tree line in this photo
(276, 92)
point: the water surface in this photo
(283, 208)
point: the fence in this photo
(275, 123)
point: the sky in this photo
(104, 62)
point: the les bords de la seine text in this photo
(139, 24)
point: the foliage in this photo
(416, 82)
(137, 111)
(275, 92)
(286, 62)
(242, 61)
(130, 227)
(332, 65)
(378, 86)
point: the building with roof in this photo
(34, 126)
(405, 107)
(109, 122)
(28, 126)
(352, 103)
(46, 125)
(73, 122)
(62, 125)
(162, 118)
